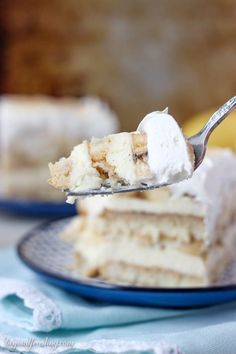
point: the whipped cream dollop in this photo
(169, 154)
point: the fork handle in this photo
(218, 117)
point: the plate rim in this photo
(98, 283)
(36, 208)
(34, 202)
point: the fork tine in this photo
(108, 190)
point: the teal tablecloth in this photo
(52, 316)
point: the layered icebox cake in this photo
(157, 153)
(183, 235)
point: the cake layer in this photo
(123, 273)
(121, 158)
(151, 229)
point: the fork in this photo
(198, 142)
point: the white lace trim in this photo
(46, 314)
(117, 346)
(102, 346)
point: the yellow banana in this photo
(223, 136)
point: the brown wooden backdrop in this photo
(140, 55)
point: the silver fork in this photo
(198, 142)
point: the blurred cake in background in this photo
(38, 129)
(182, 235)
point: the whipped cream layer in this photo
(129, 252)
(86, 177)
(170, 157)
(172, 205)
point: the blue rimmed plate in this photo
(45, 253)
(37, 208)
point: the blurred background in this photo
(136, 56)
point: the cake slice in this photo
(157, 153)
(182, 235)
(37, 129)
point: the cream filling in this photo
(120, 155)
(84, 175)
(172, 205)
(168, 151)
(99, 253)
